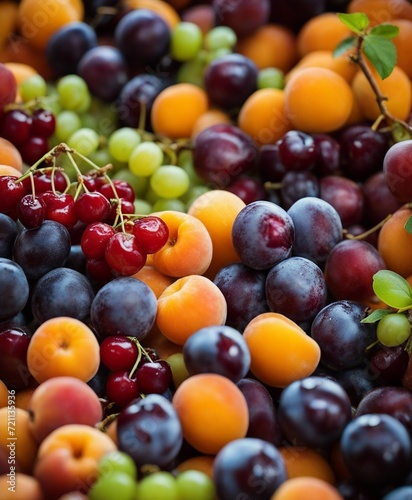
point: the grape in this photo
(124, 306)
(73, 92)
(8, 233)
(328, 161)
(117, 461)
(397, 169)
(248, 468)
(41, 249)
(145, 158)
(113, 485)
(393, 329)
(14, 288)
(192, 71)
(122, 142)
(33, 87)
(158, 486)
(169, 204)
(220, 37)
(244, 16)
(67, 122)
(149, 430)
(169, 181)
(297, 150)
(186, 41)
(84, 140)
(194, 484)
(62, 292)
(272, 78)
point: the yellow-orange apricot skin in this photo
(281, 352)
(26, 487)
(298, 488)
(212, 411)
(300, 461)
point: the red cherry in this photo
(99, 271)
(33, 149)
(92, 207)
(60, 208)
(154, 377)
(151, 232)
(44, 123)
(121, 389)
(31, 211)
(123, 189)
(126, 207)
(124, 255)
(11, 192)
(95, 238)
(44, 181)
(118, 353)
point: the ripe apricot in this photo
(218, 209)
(63, 346)
(271, 45)
(154, 279)
(189, 248)
(176, 109)
(39, 20)
(382, 11)
(8, 16)
(322, 32)
(212, 411)
(10, 155)
(27, 60)
(318, 100)
(188, 304)
(209, 118)
(4, 394)
(298, 488)
(8, 170)
(301, 461)
(165, 10)
(395, 243)
(281, 352)
(27, 487)
(263, 116)
(23, 398)
(402, 44)
(202, 463)
(396, 88)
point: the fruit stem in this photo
(141, 350)
(102, 426)
(368, 232)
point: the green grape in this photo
(191, 72)
(192, 194)
(215, 54)
(118, 485)
(157, 486)
(169, 181)
(122, 142)
(162, 204)
(220, 37)
(139, 184)
(117, 461)
(101, 157)
(195, 484)
(67, 122)
(33, 87)
(178, 367)
(145, 158)
(393, 329)
(73, 93)
(142, 207)
(85, 106)
(273, 78)
(85, 141)
(186, 41)
(185, 161)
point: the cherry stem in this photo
(368, 232)
(141, 350)
(102, 426)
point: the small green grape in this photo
(138, 183)
(157, 486)
(67, 122)
(178, 367)
(169, 181)
(142, 207)
(73, 93)
(273, 78)
(84, 140)
(191, 72)
(186, 41)
(118, 485)
(220, 37)
(122, 142)
(145, 158)
(195, 484)
(117, 461)
(393, 329)
(162, 204)
(33, 87)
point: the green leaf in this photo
(345, 45)
(357, 22)
(392, 289)
(385, 31)
(408, 225)
(376, 315)
(381, 52)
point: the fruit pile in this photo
(205, 250)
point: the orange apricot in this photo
(209, 118)
(8, 170)
(4, 394)
(63, 346)
(10, 155)
(26, 487)
(301, 461)
(318, 100)
(154, 279)
(8, 16)
(23, 398)
(218, 209)
(322, 32)
(271, 45)
(212, 411)
(21, 71)
(189, 248)
(39, 20)
(25, 446)
(382, 11)
(177, 108)
(298, 488)
(281, 352)
(395, 243)
(165, 10)
(162, 345)
(25, 60)
(188, 304)
(263, 116)
(402, 44)
(202, 463)
(396, 88)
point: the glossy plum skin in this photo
(263, 234)
(397, 169)
(14, 289)
(243, 17)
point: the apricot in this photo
(188, 304)
(154, 279)
(189, 248)
(8, 170)
(402, 44)
(307, 462)
(10, 155)
(26, 487)
(25, 451)
(165, 10)
(217, 209)
(23, 398)
(212, 411)
(281, 352)
(202, 463)
(209, 118)
(298, 488)
(4, 394)
(63, 346)
(382, 11)
(8, 16)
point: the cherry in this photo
(126, 207)
(118, 353)
(31, 211)
(15, 126)
(123, 189)
(14, 342)
(95, 238)
(151, 232)
(298, 150)
(11, 192)
(44, 123)
(99, 271)
(121, 389)
(33, 149)
(44, 181)
(60, 208)
(90, 182)
(124, 254)
(92, 207)
(247, 188)
(154, 377)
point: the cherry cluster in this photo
(134, 370)
(28, 131)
